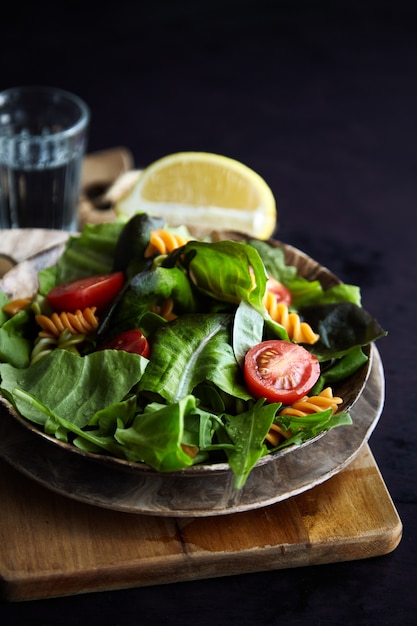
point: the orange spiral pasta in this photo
(298, 331)
(15, 306)
(80, 322)
(276, 434)
(165, 309)
(308, 405)
(164, 242)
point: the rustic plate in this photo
(201, 490)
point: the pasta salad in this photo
(150, 345)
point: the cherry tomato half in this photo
(129, 341)
(280, 371)
(280, 291)
(98, 291)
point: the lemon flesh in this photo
(203, 190)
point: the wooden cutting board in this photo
(55, 546)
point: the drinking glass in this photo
(43, 135)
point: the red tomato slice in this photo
(280, 371)
(129, 341)
(280, 291)
(98, 291)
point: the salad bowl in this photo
(202, 489)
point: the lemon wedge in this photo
(203, 190)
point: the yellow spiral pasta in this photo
(298, 331)
(80, 322)
(164, 242)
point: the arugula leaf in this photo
(247, 431)
(274, 261)
(302, 429)
(339, 369)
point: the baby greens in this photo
(187, 403)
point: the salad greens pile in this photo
(188, 402)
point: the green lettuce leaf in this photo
(73, 387)
(15, 339)
(188, 351)
(220, 270)
(155, 436)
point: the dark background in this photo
(321, 99)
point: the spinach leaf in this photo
(129, 253)
(248, 330)
(15, 340)
(220, 270)
(73, 387)
(91, 252)
(3, 301)
(146, 289)
(156, 436)
(341, 327)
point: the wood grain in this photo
(54, 546)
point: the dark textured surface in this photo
(321, 99)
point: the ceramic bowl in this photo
(201, 490)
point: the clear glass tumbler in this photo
(43, 135)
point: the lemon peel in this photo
(203, 190)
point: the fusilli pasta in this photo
(165, 309)
(307, 405)
(164, 242)
(298, 331)
(65, 341)
(80, 322)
